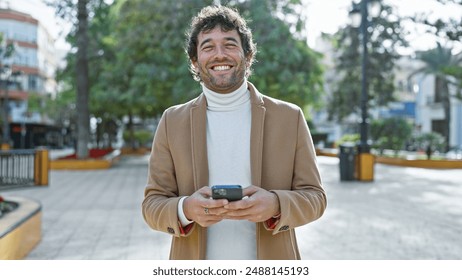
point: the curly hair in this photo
(228, 19)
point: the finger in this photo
(250, 190)
(212, 218)
(214, 203)
(219, 211)
(240, 204)
(239, 212)
(249, 217)
(238, 216)
(205, 192)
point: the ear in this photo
(195, 64)
(248, 61)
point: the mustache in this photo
(215, 61)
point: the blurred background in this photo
(378, 81)
(95, 74)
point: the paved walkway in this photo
(406, 213)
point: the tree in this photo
(430, 142)
(78, 13)
(450, 29)
(385, 35)
(7, 50)
(139, 67)
(84, 66)
(83, 117)
(149, 71)
(144, 83)
(286, 67)
(439, 62)
(391, 133)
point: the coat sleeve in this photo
(160, 204)
(306, 200)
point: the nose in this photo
(220, 51)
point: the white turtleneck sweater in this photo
(228, 150)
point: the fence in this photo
(24, 167)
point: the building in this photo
(417, 100)
(35, 57)
(430, 111)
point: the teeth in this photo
(221, 68)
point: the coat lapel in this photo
(199, 142)
(256, 135)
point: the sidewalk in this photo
(406, 213)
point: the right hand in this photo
(194, 207)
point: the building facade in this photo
(35, 57)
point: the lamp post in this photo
(362, 10)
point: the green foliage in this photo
(142, 137)
(431, 139)
(6, 49)
(138, 67)
(385, 35)
(391, 133)
(286, 67)
(455, 74)
(348, 138)
(449, 28)
(34, 102)
(149, 71)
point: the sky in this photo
(323, 16)
(328, 15)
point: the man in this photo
(231, 134)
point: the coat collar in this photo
(256, 98)
(198, 116)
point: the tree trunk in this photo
(83, 114)
(131, 128)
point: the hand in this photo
(195, 206)
(258, 207)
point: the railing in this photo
(23, 167)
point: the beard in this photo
(223, 83)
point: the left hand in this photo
(258, 207)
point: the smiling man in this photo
(231, 135)
(220, 60)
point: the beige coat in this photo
(283, 160)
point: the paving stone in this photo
(405, 213)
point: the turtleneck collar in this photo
(227, 101)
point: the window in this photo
(33, 83)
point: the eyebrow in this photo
(226, 38)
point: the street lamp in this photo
(360, 14)
(7, 77)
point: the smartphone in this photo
(229, 192)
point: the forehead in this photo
(217, 34)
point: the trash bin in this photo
(347, 156)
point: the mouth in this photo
(219, 68)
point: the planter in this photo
(421, 163)
(7, 207)
(21, 229)
(99, 159)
